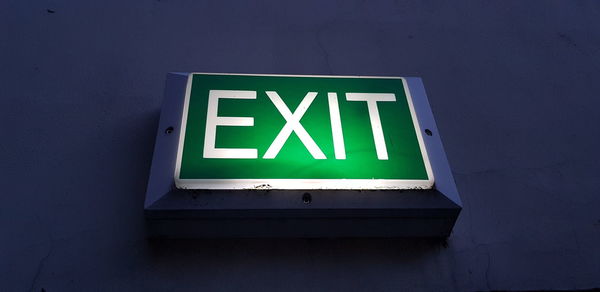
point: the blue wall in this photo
(514, 86)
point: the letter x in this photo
(292, 125)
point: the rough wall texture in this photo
(513, 85)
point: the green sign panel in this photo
(300, 132)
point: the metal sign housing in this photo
(277, 211)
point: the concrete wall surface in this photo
(514, 86)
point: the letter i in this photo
(336, 126)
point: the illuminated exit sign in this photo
(298, 156)
(300, 132)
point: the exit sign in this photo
(298, 156)
(300, 132)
